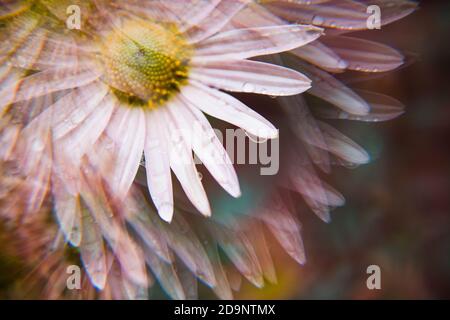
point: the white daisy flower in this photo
(144, 75)
(80, 110)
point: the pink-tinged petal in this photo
(188, 280)
(39, 179)
(364, 55)
(16, 32)
(9, 78)
(185, 243)
(251, 42)
(305, 128)
(305, 181)
(382, 108)
(320, 55)
(44, 49)
(334, 197)
(131, 258)
(241, 253)
(33, 153)
(342, 146)
(222, 288)
(124, 248)
(147, 225)
(68, 212)
(70, 111)
(251, 76)
(166, 275)
(157, 165)
(256, 236)
(92, 250)
(342, 15)
(182, 163)
(127, 130)
(336, 14)
(255, 15)
(328, 88)
(81, 139)
(393, 10)
(191, 13)
(285, 228)
(216, 20)
(151, 10)
(234, 278)
(208, 148)
(133, 291)
(48, 81)
(229, 109)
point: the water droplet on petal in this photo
(248, 87)
(318, 20)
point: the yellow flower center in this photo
(145, 63)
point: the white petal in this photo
(72, 109)
(68, 212)
(189, 249)
(229, 109)
(148, 226)
(241, 252)
(128, 254)
(210, 151)
(320, 55)
(183, 165)
(166, 275)
(330, 89)
(286, 229)
(191, 13)
(251, 76)
(48, 81)
(157, 165)
(251, 42)
(342, 146)
(127, 130)
(364, 55)
(80, 140)
(382, 108)
(92, 251)
(216, 20)
(305, 181)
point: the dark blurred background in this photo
(397, 213)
